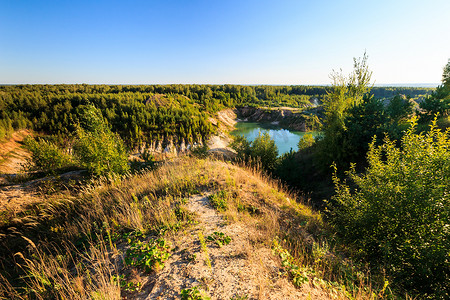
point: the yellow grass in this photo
(146, 203)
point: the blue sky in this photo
(217, 42)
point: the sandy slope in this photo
(242, 268)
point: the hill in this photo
(191, 228)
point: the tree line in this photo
(143, 113)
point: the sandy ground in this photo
(15, 197)
(12, 155)
(240, 269)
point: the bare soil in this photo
(14, 197)
(243, 269)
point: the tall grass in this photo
(71, 254)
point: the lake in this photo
(284, 139)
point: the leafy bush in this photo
(46, 156)
(147, 255)
(219, 200)
(97, 148)
(262, 150)
(306, 141)
(200, 151)
(219, 238)
(193, 294)
(398, 214)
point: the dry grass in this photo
(147, 203)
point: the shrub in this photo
(398, 214)
(46, 156)
(219, 200)
(262, 150)
(306, 141)
(98, 149)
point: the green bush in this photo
(397, 215)
(46, 156)
(262, 150)
(306, 141)
(219, 200)
(98, 149)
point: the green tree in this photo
(439, 101)
(262, 150)
(305, 142)
(97, 148)
(446, 75)
(346, 92)
(397, 215)
(399, 109)
(265, 149)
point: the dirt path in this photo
(240, 270)
(14, 197)
(12, 155)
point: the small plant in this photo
(147, 255)
(204, 249)
(219, 200)
(193, 294)
(200, 151)
(125, 285)
(236, 297)
(219, 238)
(298, 274)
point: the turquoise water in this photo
(284, 139)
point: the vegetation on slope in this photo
(90, 245)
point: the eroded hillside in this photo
(192, 227)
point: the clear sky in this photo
(212, 41)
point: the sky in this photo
(221, 42)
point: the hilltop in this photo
(192, 226)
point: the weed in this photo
(204, 249)
(125, 285)
(219, 200)
(149, 255)
(193, 294)
(219, 238)
(236, 297)
(299, 274)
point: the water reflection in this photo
(284, 139)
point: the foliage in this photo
(193, 294)
(305, 142)
(439, 101)
(200, 151)
(265, 149)
(219, 200)
(150, 256)
(97, 148)
(399, 211)
(219, 238)
(262, 150)
(446, 75)
(126, 285)
(46, 156)
(148, 113)
(347, 92)
(299, 275)
(242, 147)
(399, 108)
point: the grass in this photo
(75, 243)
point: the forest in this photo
(147, 113)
